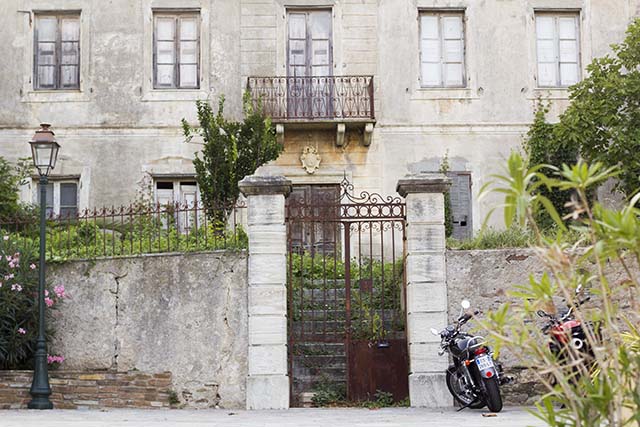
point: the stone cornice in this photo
(258, 185)
(423, 183)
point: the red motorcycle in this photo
(567, 333)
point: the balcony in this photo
(322, 101)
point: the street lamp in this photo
(44, 150)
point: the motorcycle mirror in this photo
(434, 331)
(541, 313)
(465, 304)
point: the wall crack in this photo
(116, 341)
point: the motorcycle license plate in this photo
(484, 362)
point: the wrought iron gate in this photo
(346, 292)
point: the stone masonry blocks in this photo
(268, 329)
(267, 382)
(427, 299)
(429, 391)
(268, 392)
(425, 267)
(267, 360)
(426, 287)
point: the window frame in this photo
(57, 195)
(58, 15)
(556, 14)
(439, 13)
(176, 15)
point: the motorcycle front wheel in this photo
(455, 384)
(492, 394)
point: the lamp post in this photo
(44, 150)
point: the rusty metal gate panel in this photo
(346, 291)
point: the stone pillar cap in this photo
(435, 182)
(255, 185)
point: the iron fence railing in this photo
(135, 229)
(314, 98)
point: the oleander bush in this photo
(18, 303)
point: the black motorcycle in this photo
(474, 379)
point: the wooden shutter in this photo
(568, 50)
(431, 68)
(297, 44)
(69, 52)
(68, 199)
(165, 51)
(320, 39)
(189, 51)
(546, 51)
(460, 196)
(453, 50)
(46, 52)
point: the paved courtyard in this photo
(405, 417)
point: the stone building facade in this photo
(369, 89)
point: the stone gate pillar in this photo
(267, 383)
(426, 287)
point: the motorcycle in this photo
(474, 379)
(566, 333)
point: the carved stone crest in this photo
(310, 159)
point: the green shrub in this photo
(512, 237)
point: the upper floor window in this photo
(176, 50)
(442, 49)
(558, 50)
(57, 51)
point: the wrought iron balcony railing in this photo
(314, 98)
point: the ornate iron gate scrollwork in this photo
(346, 289)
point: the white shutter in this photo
(453, 50)
(188, 52)
(546, 51)
(568, 47)
(430, 45)
(297, 44)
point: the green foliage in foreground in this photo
(583, 390)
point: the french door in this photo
(309, 64)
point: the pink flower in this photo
(21, 331)
(55, 359)
(10, 276)
(46, 293)
(48, 301)
(59, 291)
(32, 266)
(16, 287)
(5, 238)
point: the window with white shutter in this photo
(62, 198)
(442, 49)
(557, 49)
(57, 51)
(176, 52)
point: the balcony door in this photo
(309, 64)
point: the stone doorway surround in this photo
(268, 381)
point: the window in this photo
(176, 50)
(442, 49)
(57, 51)
(557, 49)
(62, 198)
(183, 195)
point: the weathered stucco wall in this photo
(183, 313)
(116, 118)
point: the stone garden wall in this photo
(185, 314)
